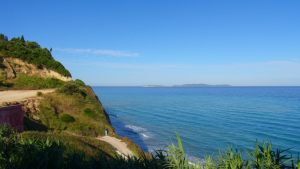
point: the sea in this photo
(208, 119)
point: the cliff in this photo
(70, 110)
(12, 67)
(72, 107)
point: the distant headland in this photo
(191, 85)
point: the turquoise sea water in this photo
(207, 119)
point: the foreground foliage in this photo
(36, 150)
(262, 157)
(63, 151)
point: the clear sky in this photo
(146, 42)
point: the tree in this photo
(30, 52)
(22, 38)
(3, 38)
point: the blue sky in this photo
(140, 42)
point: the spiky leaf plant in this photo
(230, 160)
(209, 163)
(265, 157)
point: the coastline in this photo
(200, 115)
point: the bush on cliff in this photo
(30, 52)
(73, 88)
(33, 82)
(67, 118)
(73, 99)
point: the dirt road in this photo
(20, 95)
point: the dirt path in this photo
(20, 95)
(121, 147)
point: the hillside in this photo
(73, 108)
(26, 65)
(69, 112)
(31, 52)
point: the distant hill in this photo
(201, 85)
(190, 85)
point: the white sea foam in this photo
(139, 130)
(136, 128)
(144, 135)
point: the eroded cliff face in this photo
(10, 67)
(29, 106)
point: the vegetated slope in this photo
(33, 150)
(73, 108)
(25, 65)
(30, 52)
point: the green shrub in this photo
(33, 82)
(4, 85)
(6, 132)
(263, 157)
(67, 118)
(71, 88)
(31, 52)
(9, 148)
(90, 113)
(16, 153)
(176, 156)
(39, 94)
(79, 82)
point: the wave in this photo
(139, 130)
(136, 128)
(145, 135)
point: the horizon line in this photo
(183, 86)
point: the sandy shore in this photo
(118, 144)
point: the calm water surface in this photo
(207, 119)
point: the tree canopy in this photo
(30, 52)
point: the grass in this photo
(73, 108)
(66, 118)
(87, 145)
(3, 84)
(91, 113)
(33, 82)
(35, 150)
(62, 150)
